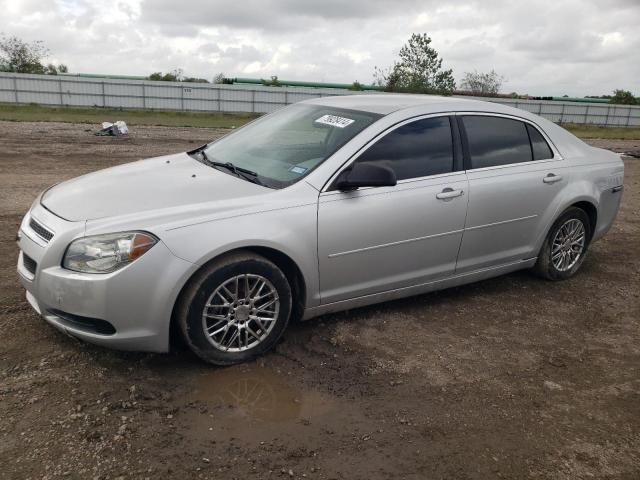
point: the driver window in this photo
(417, 149)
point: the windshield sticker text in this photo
(335, 121)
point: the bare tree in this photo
(482, 83)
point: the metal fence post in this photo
(144, 96)
(586, 114)
(15, 88)
(286, 98)
(629, 116)
(60, 90)
(562, 114)
(606, 120)
(253, 101)
(104, 102)
(182, 98)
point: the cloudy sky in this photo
(541, 47)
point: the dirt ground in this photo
(513, 377)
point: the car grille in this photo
(29, 264)
(42, 232)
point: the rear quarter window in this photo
(540, 147)
(495, 141)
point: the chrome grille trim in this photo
(40, 230)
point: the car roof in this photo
(391, 102)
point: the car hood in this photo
(158, 183)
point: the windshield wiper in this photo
(245, 173)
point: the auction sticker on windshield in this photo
(297, 169)
(335, 121)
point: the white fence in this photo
(143, 94)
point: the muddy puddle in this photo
(258, 394)
(248, 399)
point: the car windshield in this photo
(284, 146)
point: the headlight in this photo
(106, 253)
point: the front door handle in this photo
(552, 178)
(448, 193)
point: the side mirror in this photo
(366, 175)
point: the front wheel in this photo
(235, 309)
(565, 247)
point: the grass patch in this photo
(595, 131)
(97, 115)
(171, 118)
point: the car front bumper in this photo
(129, 309)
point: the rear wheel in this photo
(235, 309)
(565, 247)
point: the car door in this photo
(378, 239)
(513, 177)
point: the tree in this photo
(194, 80)
(271, 83)
(21, 57)
(173, 76)
(219, 79)
(419, 70)
(482, 83)
(623, 97)
(51, 69)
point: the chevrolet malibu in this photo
(325, 205)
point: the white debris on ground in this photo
(113, 129)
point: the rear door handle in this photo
(552, 178)
(448, 193)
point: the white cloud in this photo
(542, 47)
(253, 67)
(612, 38)
(355, 56)
(421, 20)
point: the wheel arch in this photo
(592, 212)
(284, 262)
(585, 203)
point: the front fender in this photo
(291, 231)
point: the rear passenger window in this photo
(417, 149)
(496, 141)
(541, 149)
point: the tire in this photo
(210, 317)
(552, 264)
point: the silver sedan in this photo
(322, 206)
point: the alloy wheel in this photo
(568, 245)
(240, 313)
